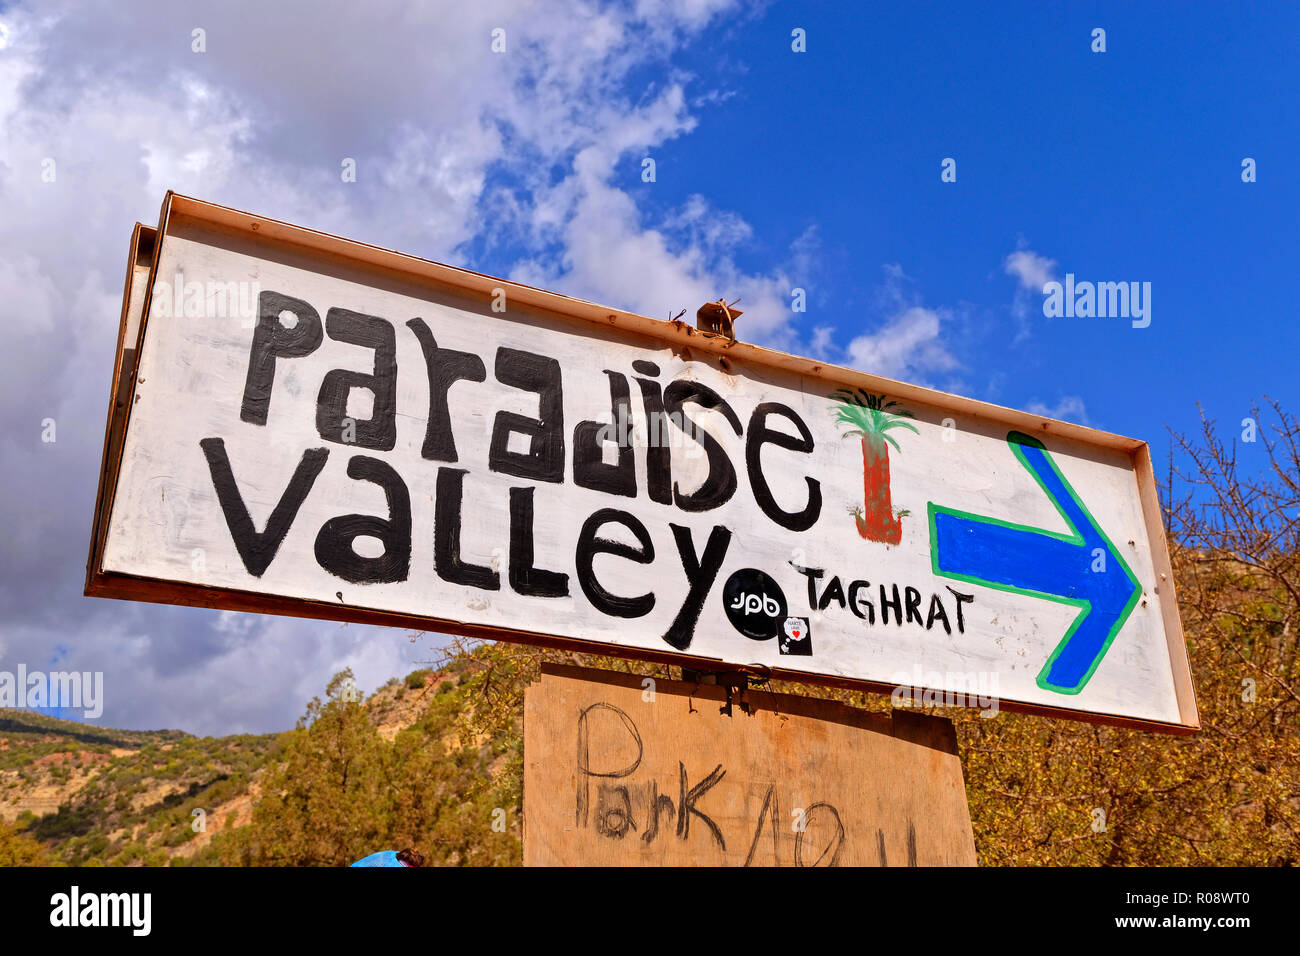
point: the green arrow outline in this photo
(1015, 440)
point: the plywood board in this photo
(318, 427)
(620, 772)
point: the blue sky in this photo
(774, 170)
(1120, 166)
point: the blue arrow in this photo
(1081, 568)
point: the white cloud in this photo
(607, 254)
(908, 346)
(1031, 271)
(913, 340)
(1069, 408)
(822, 343)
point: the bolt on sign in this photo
(621, 770)
(302, 424)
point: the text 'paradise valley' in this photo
(535, 449)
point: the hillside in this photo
(98, 796)
(102, 796)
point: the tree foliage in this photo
(18, 849)
(342, 791)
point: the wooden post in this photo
(623, 770)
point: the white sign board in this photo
(321, 427)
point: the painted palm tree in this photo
(870, 418)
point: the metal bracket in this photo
(718, 318)
(734, 682)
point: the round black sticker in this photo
(754, 604)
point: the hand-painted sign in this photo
(621, 770)
(306, 425)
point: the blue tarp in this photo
(382, 858)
